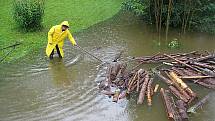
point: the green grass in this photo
(80, 13)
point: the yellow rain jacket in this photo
(56, 37)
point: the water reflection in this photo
(59, 72)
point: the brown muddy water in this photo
(36, 89)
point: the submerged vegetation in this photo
(174, 44)
(191, 15)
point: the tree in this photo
(192, 15)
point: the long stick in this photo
(2, 59)
(89, 53)
(152, 57)
(17, 43)
(183, 63)
(195, 77)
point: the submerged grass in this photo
(80, 13)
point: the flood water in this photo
(36, 89)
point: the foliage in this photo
(28, 13)
(204, 18)
(198, 15)
(136, 6)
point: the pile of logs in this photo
(177, 87)
(194, 66)
(175, 70)
(125, 82)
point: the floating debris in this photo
(175, 71)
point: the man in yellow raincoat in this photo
(56, 37)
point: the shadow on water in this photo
(38, 89)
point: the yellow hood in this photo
(66, 23)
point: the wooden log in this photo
(167, 104)
(167, 81)
(143, 90)
(123, 94)
(156, 88)
(116, 95)
(178, 94)
(138, 83)
(210, 81)
(161, 58)
(118, 56)
(135, 85)
(205, 84)
(142, 62)
(183, 63)
(202, 65)
(113, 71)
(195, 77)
(206, 71)
(140, 72)
(109, 93)
(178, 71)
(207, 57)
(149, 98)
(182, 91)
(177, 116)
(182, 84)
(122, 72)
(131, 81)
(127, 77)
(182, 110)
(190, 72)
(152, 91)
(198, 104)
(211, 62)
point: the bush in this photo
(28, 14)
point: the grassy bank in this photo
(80, 13)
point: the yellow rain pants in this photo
(56, 37)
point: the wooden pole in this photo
(89, 53)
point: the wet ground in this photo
(36, 89)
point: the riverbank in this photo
(80, 13)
